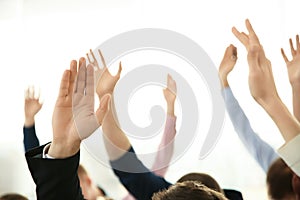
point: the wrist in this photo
(60, 150)
(29, 121)
(295, 87)
(223, 79)
(170, 108)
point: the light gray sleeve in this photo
(290, 153)
(262, 152)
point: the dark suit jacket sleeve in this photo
(30, 140)
(137, 179)
(54, 178)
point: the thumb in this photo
(103, 107)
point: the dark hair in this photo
(203, 178)
(296, 185)
(279, 180)
(13, 196)
(188, 190)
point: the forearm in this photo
(30, 139)
(166, 147)
(137, 179)
(296, 100)
(223, 80)
(261, 151)
(29, 121)
(115, 140)
(285, 121)
(170, 108)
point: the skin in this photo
(262, 85)
(227, 64)
(31, 107)
(170, 95)
(74, 118)
(293, 68)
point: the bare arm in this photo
(262, 85)
(293, 67)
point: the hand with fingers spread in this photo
(227, 64)
(261, 81)
(105, 82)
(293, 66)
(170, 95)
(262, 85)
(74, 118)
(32, 106)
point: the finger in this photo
(171, 84)
(88, 57)
(26, 93)
(64, 84)
(102, 58)
(93, 55)
(31, 92)
(89, 80)
(38, 94)
(81, 77)
(242, 37)
(284, 56)
(230, 52)
(120, 68)
(234, 53)
(298, 44)
(251, 31)
(73, 75)
(292, 47)
(81, 61)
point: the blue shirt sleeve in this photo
(262, 152)
(137, 179)
(30, 140)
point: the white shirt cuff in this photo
(45, 152)
(290, 153)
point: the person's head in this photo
(296, 186)
(203, 178)
(12, 196)
(279, 181)
(188, 190)
(89, 190)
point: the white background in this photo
(39, 38)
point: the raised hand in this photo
(227, 64)
(293, 66)
(74, 118)
(32, 106)
(170, 94)
(105, 82)
(261, 81)
(262, 86)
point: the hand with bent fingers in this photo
(170, 94)
(261, 81)
(293, 66)
(105, 82)
(227, 64)
(74, 118)
(32, 106)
